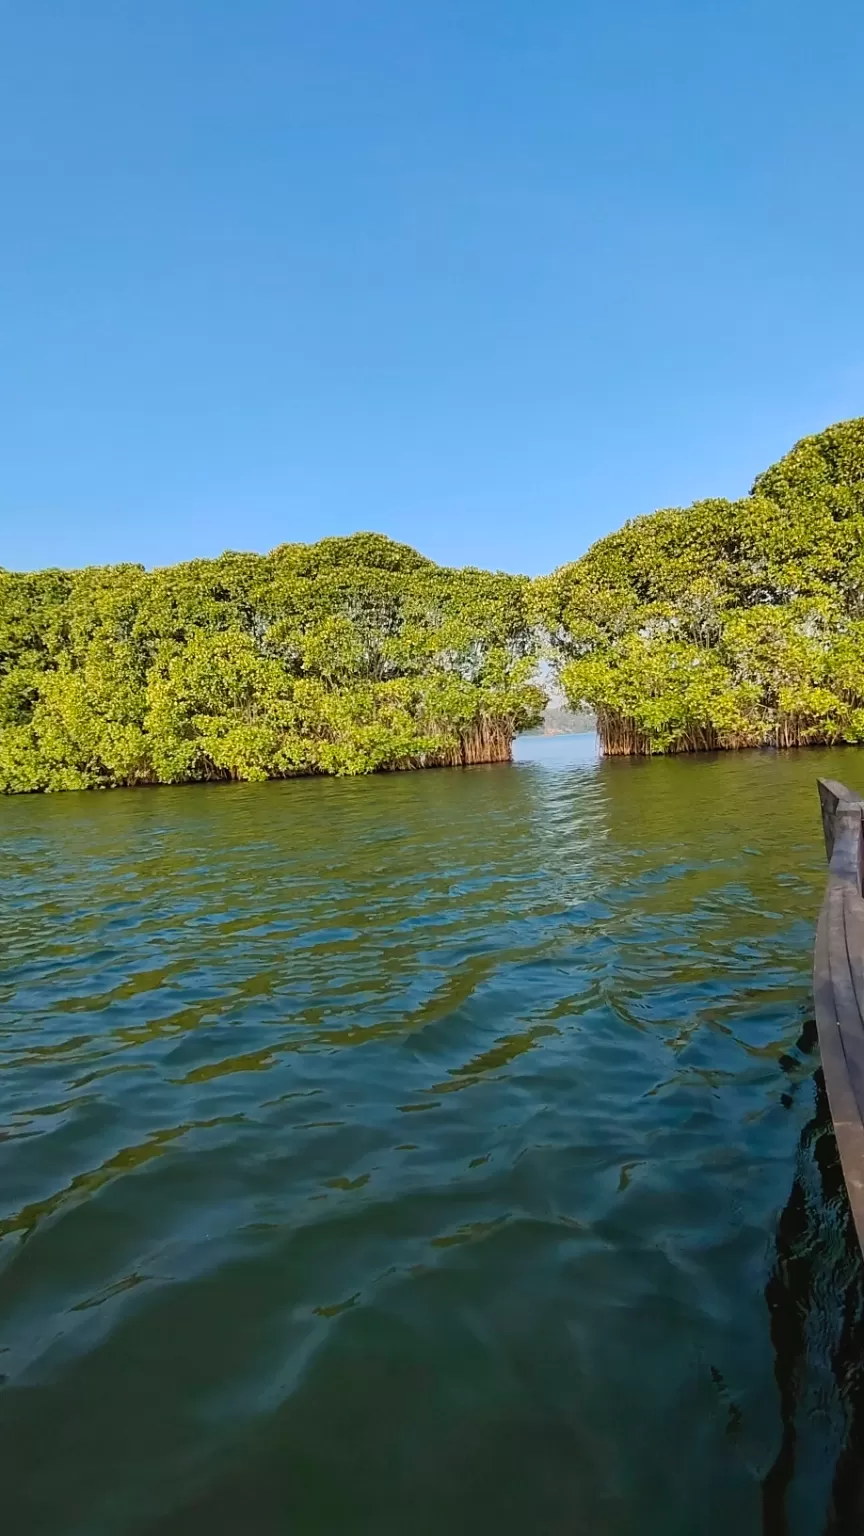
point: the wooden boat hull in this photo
(838, 983)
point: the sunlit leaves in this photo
(343, 657)
(725, 623)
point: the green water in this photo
(425, 1153)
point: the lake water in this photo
(434, 1153)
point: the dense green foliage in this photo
(728, 623)
(724, 624)
(342, 657)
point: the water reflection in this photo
(815, 1298)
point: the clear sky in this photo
(489, 276)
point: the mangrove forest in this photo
(724, 624)
(343, 657)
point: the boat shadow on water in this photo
(815, 1299)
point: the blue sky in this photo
(489, 276)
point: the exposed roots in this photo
(622, 737)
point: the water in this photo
(429, 1153)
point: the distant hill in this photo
(559, 721)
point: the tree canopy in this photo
(723, 624)
(343, 657)
(726, 623)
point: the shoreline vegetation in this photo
(354, 655)
(723, 625)
(726, 624)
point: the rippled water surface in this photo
(424, 1153)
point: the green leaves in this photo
(725, 623)
(343, 657)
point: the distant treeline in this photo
(725, 624)
(562, 722)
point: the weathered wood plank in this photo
(838, 983)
